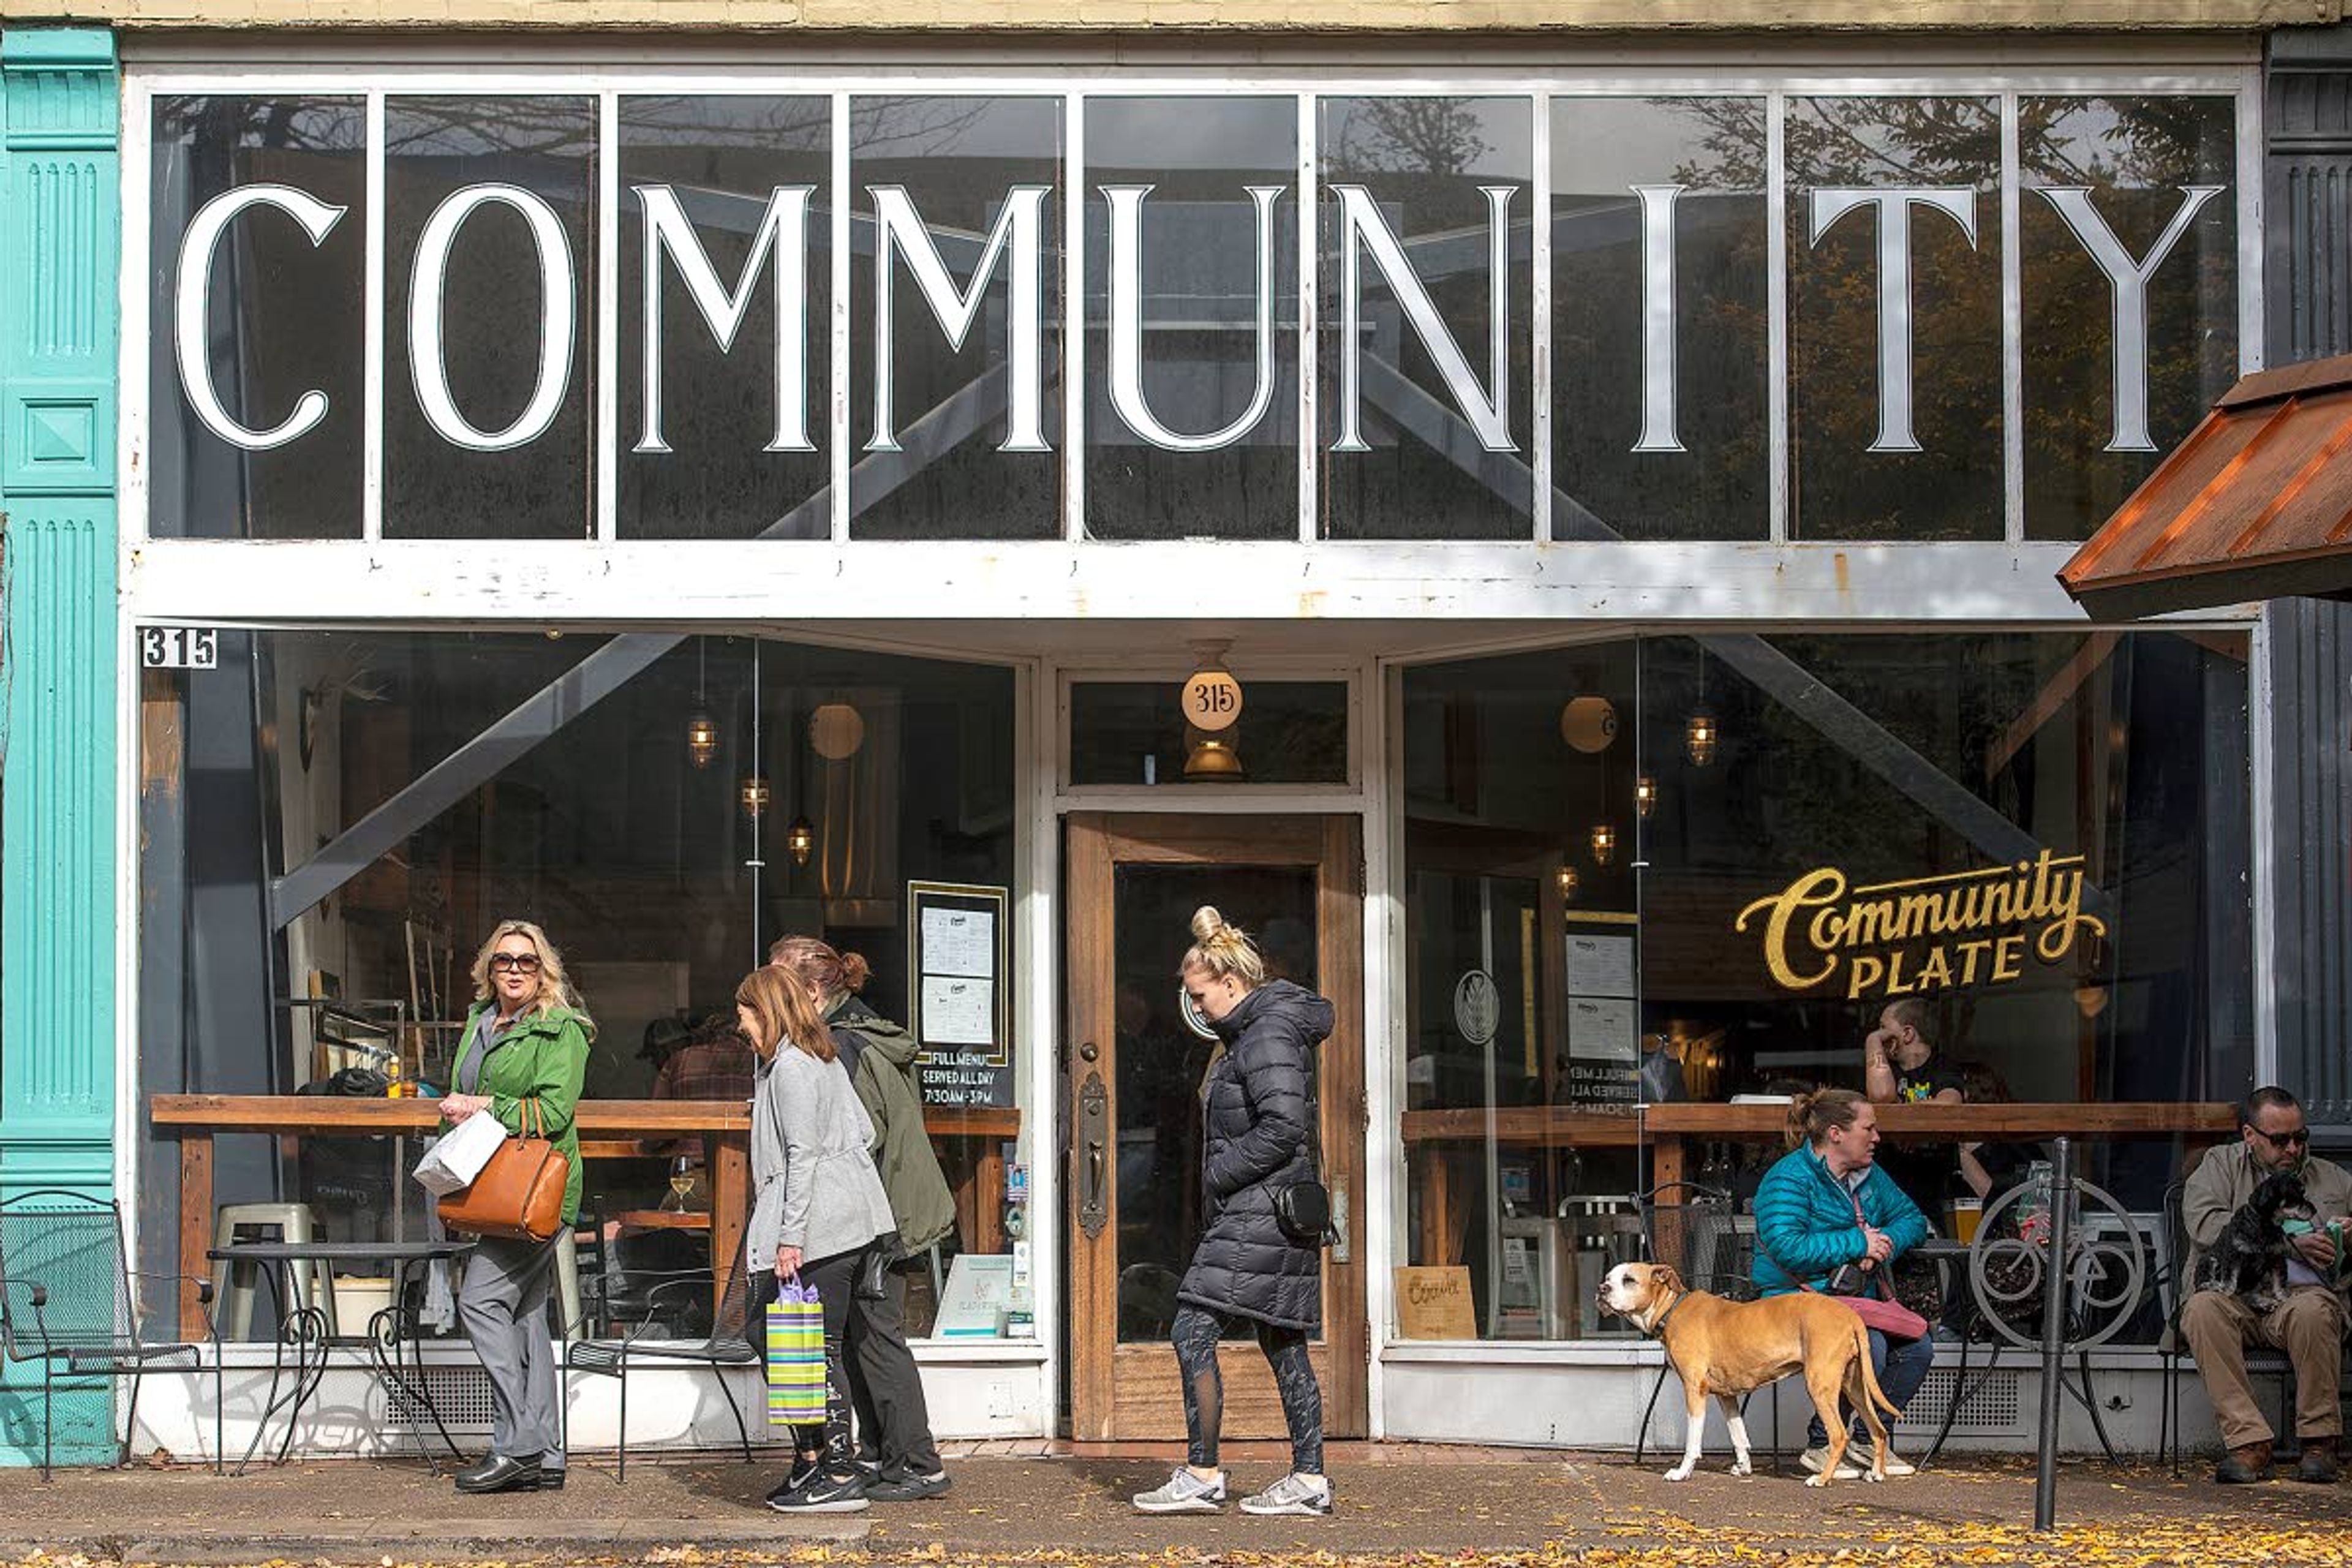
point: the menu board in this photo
(956, 991)
(1604, 1055)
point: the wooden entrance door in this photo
(1134, 1077)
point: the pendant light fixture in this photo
(1210, 701)
(702, 729)
(1699, 731)
(1604, 843)
(800, 839)
(1645, 796)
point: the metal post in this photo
(2054, 1337)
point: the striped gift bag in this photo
(795, 1357)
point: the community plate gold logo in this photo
(1931, 933)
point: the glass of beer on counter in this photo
(1967, 1214)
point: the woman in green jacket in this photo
(524, 1054)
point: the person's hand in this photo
(2318, 1249)
(788, 1262)
(1877, 1246)
(457, 1106)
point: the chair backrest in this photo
(1698, 1230)
(70, 1246)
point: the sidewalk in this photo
(1396, 1501)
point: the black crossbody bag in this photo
(1303, 1209)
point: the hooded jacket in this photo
(1805, 1225)
(1255, 1142)
(883, 1074)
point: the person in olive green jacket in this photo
(894, 1421)
(524, 1054)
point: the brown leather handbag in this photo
(520, 1193)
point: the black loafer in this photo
(550, 1480)
(498, 1473)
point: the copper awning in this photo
(2255, 504)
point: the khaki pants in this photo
(2308, 1326)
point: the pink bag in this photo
(1893, 1318)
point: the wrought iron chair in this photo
(663, 1297)
(1699, 1231)
(66, 1301)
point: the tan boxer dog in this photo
(1728, 1348)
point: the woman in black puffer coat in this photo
(1246, 1270)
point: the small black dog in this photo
(2248, 1258)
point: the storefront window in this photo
(729, 438)
(489, 318)
(1661, 335)
(255, 397)
(974, 355)
(1696, 868)
(1426, 434)
(2130, 285)
(1192, 325)
(1895, 318)
(332, 821)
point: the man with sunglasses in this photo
(2308, 1326)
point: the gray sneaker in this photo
(1292, 1494)
(1184, 1492)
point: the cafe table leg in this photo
(196, 1229)
(728, 1157)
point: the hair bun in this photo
(1206, 924)
(854, 972)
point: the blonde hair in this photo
(784, 1014)
(1811, 1116)
(554, 986)
(1223, 952)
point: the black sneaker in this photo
(826, 1492)
(803, 1471)
(906, 1485)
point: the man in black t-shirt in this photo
(1900, 1065)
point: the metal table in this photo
(392, 1333)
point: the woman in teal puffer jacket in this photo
(1825, 1205)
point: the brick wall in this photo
(1240, 16)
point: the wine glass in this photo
(681, 1182)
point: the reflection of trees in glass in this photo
(2136, 155)
(1406, 136)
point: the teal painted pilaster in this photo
(60, 257)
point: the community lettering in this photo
(1931, 933)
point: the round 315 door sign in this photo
(1213, 700)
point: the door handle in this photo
(1094, 1135)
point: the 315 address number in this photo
(179, 647)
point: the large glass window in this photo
(961, 199)
(1696, 868)
(2130, 242)
(1895, 318)
(332, 822)
(1659, 315)
(1191, 317)
(728, 436)
(490, 317)
(255, 398)
(1427, 375)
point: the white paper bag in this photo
(459, 1155)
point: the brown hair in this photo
(1222, 951)
(834, 975)
(1811, 1116)
(1915, 1015)
(784, 1014)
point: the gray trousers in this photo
(503, 1305)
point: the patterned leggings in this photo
(1196, 1334)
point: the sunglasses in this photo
(2297, 1139)
(520, 963)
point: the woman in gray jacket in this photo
(817, 1206)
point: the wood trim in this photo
(1131, 1391)
(2132, 1120)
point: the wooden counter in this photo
(1435, 1140)
(608, 1129)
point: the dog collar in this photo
(1658, 1329)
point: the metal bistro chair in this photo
(1711, 1246)
(66, 1301)
(726, 1344)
